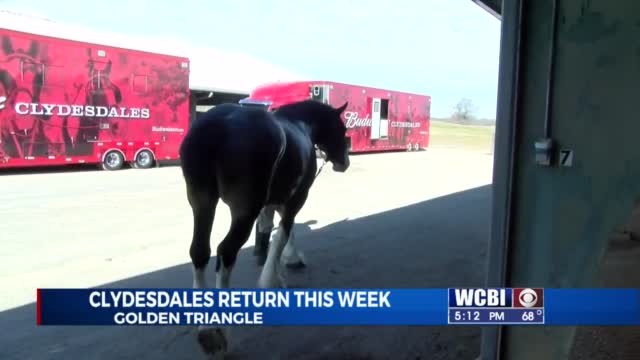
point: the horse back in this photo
(233, 149)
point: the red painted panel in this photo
(60, 98)
(409, 115)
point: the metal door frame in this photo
(503, 163)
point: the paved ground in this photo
(619, 270)
(394, 220)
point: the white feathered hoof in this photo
(213, 342)
(295, 265)
(294, 260)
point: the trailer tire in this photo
(113, 160)
(416, 147)
(409, 147)
(144, 159)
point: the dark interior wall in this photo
(208, 98)
(192, 106)
(217, 98)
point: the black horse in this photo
(254, 160)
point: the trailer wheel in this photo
(144, 159)
(409, 147)
(113, 160)
(416, 147)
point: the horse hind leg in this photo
(203, 204)
(213, 340)
(264, 226)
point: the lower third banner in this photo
(237, 307)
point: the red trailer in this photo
(64, 102)
(376, 119)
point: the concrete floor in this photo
(619, 270)
(393, 220)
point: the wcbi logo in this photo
(492, 298)
(3, 102)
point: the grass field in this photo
(464, 137)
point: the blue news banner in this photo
(238, 307)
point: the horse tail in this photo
(199, 151)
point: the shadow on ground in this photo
(73, 168)
(619, 269)
(436, 243)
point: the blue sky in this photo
(444, 48)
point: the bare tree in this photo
(464, 111)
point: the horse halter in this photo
(324, 162)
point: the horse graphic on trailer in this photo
(65, 102)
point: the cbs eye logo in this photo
(528, 298)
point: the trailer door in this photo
(384, 118)
(375, 118)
